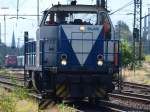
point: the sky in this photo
(28, 7)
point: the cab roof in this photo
(77, 8)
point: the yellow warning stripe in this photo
(47, 103)
(62, 91)
(64, 94)
(58, 86)
(52, 104)
(100, 92)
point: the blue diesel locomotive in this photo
(75, 54)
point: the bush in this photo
(127, 55)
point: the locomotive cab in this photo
(98, 16)
(76, 53)
(73, 31)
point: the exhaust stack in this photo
(101, 3)
(98, 2)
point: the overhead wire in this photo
(22, 3)
(121, 8)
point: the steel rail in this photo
(130, 97)
(136, 85)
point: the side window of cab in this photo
(55, 18)
(50, 20)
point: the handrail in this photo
(106, 54)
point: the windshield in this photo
(70, 18)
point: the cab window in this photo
(50, 19)
(69, 18)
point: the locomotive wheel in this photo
(36, 81)
(28, 84)
(27, 80)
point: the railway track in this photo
(13, 73)
(15, 69)
(113, 107)
(11, 86)
(11, 81)
(131, 101)
(100, 106)
(136, 96)
(109, 105)
(136, 88)
(133, 97)
(12, 77)
(135, 85)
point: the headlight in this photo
(63, 60)
(82, 28)
(100, 60)
(100, 63)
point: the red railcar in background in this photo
(11, 61)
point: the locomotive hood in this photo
(84, 43)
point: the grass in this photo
(60, 108)
(21, 93)
(4, 72)
(7, 104)
(141, 75)
(65, 108)
(19, 101)
(147, 58)
(16, 101)
(26, 105)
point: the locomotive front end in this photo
(76, 52)
(84, 62)
(80, 46)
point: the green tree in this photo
(123, 32)
(127, 55)
(125, 35)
